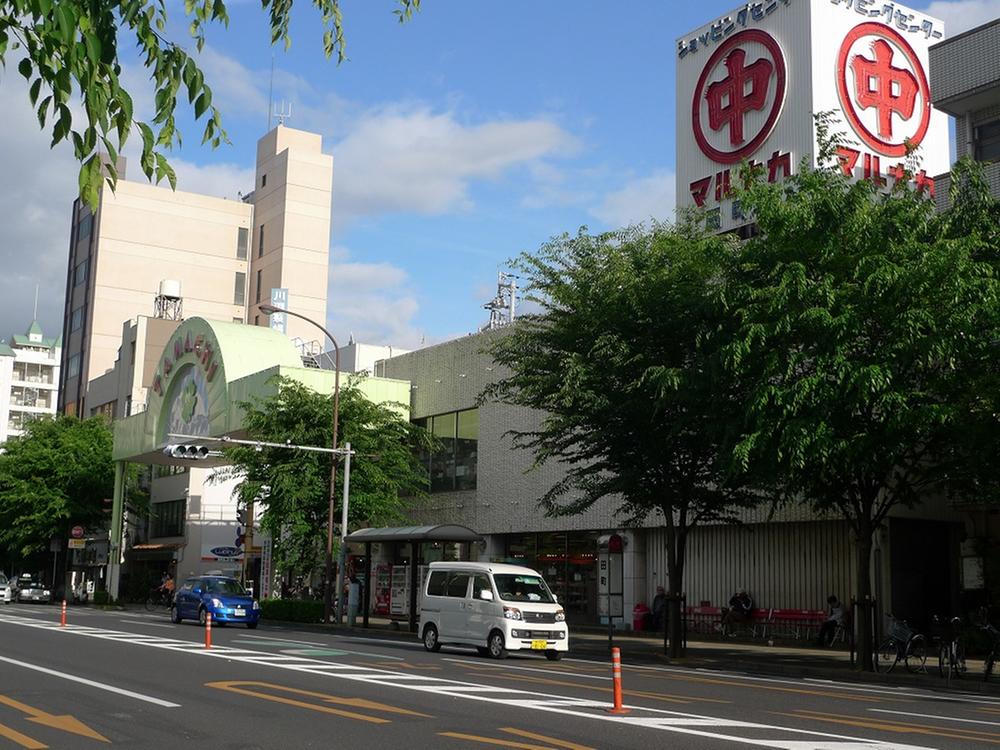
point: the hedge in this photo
(292, 610)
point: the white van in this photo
(496, 608)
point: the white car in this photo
(496, 608)
(6, 592)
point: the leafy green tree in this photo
(55, 475)
(623, 363)
(69, 49)
(865, 320)
(294, 486)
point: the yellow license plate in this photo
(538, 645)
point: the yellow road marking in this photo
(64, 723)
(550, 740)
(898, 727)
(240, 687)
(21, 739)
(491, 741)
(665, 697)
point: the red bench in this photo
(703, 619)
(795, 623)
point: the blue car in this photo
(224, 597)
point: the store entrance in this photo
(568, 562)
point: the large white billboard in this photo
(750, 82)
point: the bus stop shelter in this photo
(415, 536)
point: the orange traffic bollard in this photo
(616, 678)
(208, 629)
(62, 619)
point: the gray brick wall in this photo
(965, 63)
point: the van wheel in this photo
(175, 615)
(431, 642)
(553, 655)
(496, 646)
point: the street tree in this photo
(69, 52)
(293, 487)
(53, 476)
(622, 363)
(865, 321)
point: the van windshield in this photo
(517, 588)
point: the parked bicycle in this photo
(990, 671)
(901, 644)
(158, 599)
(951, 647)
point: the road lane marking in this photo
(744, 733)
(147, 624)
(64, 722)
(550, 740)
(935, 716)
(490, 741)
(663, 697)
(21, 739)
(240, 687)
(898, 727)
(92, 683)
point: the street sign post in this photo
(611, 581)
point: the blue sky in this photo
(472, 133)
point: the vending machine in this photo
(399, 590)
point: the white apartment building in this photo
(29, 379)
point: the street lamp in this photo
(328, 589)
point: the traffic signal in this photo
(188, 452)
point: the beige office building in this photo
(219, 257)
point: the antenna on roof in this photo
(34, 314)
(282, 114)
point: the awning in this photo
(440, 533)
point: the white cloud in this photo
(371, 301)
(36, 201)
(219, 180)
(961, 15)
(413, 160)
(642, 199)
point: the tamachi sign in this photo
(749, 83)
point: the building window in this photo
(80, 272)
(263, 180)
(453, 466)
(237, 320)
(256, 320)
(242, 240)
(988, 141)
(105, 410)
(85, 227)
(240, 290)
(73, 366)
(76, 320)
(167, 519)
(260, 242)
(258, 286)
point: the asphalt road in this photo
(133, 680)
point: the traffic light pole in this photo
(342, 557)
(115, 535)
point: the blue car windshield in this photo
(224, 586)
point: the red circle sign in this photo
(76, 532)
(895, 94)
(728, 100)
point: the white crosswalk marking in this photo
(640, 717)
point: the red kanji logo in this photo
(891, 81)
(730, 88)
(888, 89)
(728, 100)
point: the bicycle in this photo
(158, 599)
(994, 655)
(902, 643)
(951, 647)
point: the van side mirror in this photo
(555, 598)
(486, 595)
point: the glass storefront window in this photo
(567, 562)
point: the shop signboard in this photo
(279, 321)
(750, 82)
